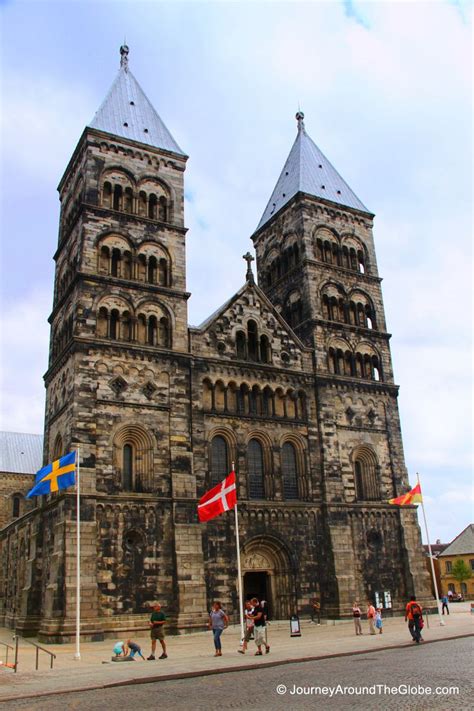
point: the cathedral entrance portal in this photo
(267, 575)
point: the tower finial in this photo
(124, 57)
(299, 117)
(249, 259)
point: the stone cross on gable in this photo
(249, 259)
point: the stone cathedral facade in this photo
(291, 380)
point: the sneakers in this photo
(163, 656)
(151, 658)
(258, 654)
(241, 651)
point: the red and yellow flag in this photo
(411, 497)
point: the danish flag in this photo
(222, 497)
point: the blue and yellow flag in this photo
(58, 475)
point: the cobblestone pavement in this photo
(444, 664)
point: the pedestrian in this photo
(445, 600)
(259, 628)
(413, 613)
(218, 622)
(248, 612)
(450, 595)
(157, 622)
(134, 648)
(120, 649)
(356, 613)
(315, 610)
(378, 620)
(371, 616)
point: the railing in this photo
(7, 647)
(17, 637)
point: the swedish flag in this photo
(58, 475)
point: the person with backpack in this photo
(413, 613)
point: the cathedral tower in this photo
(316, 262)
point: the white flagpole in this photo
(77, 655)
(239, 571)
(438, 604)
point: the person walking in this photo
(259, 628)
(413, 613)
(248, 612)
(157, 622)
(356, 613)
(134, 648)
(218, 622)
(444, 600)
(378, 620)
(371, 616)
(315, 610)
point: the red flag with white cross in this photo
(222, 497)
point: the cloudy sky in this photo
(386, 90)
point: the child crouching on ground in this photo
(134, 648)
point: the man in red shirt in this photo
(413, 613)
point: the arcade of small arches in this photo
(125, 263)
(345, 251)
(149, 202)
(233, 399)
(354, 365)
(262, 460)
(281, 264)
(350, 311)
(62, 334)
(122, 324)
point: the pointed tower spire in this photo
(126, 112)
(307, 170)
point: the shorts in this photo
(259, 633)
(157, 632)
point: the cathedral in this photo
(290, 382)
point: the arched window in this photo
(104, 260)
(152, 331)
(127, 265)
(126, 333)
(241, 345)
(102, 320)
(164, 332)
(255, 470)
(16, 505)
(142, 203)
(219, 468)
(152, 270)
(107, 195)
(127, 468)
(152, 207)
(163, 272)
(252, 340)
(163, 209)
(365, 475)
(115, 263)
(289, 471)
(114, 322)
(117, 197)
(265, 352)
(128, 200)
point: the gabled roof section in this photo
(20, 453)
(307, 170)
(126, 112)
(463, 544)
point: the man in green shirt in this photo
(157, 621)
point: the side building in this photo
(290, 381)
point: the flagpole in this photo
(77, 655)
(239, 571)
(438, 604)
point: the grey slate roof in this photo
(20, 453)
(462, 544)
(127, 112)
(307, 170)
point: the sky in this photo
(386, 88)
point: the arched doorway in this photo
(267, 575)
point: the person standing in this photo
(356, 613)
(218, 621)
(371, 616)
(413, 613)
(157, 622)
(378, 620)
(444, 600)
(248, 612)
(259, 627)
(315, 610)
